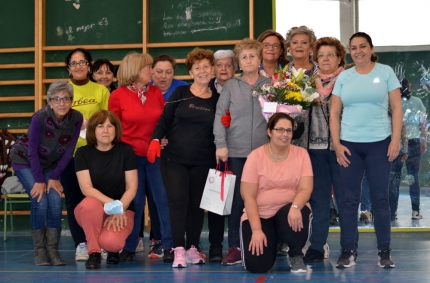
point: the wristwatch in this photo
(295, 206)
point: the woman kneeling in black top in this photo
(107, 173)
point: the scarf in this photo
(140, 92)
(326, 87)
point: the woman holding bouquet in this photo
(330, 55)
(247, 130)
(366, 139)
(274, 53)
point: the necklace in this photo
(277, 158)
(187, 98)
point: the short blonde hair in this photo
(248, 43)
(300, 30)
(130, 67)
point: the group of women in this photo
(158, 133)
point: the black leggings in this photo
(184, 186)
(272, 227)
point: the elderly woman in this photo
(274, 53)
(103, 72)
(90, 97)
(139, 105)
(224, 69)
(164, 71)
(38, 158)
(187, 122)
(276, 184)
(246, 132)
(366, 139)
(330, 55)
(113, 180)
(300, 42)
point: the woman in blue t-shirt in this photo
(366, 139)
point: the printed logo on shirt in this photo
(84, 101)
(199, 108)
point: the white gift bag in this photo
(218, 193)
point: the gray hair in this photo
(300, 30)
(223, 54)
(59, 86)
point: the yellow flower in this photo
(294, 95)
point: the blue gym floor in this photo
(409, 253)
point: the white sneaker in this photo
(81, 252)
(140, 248)
(326, 251)
(416, 215)
(104, 254)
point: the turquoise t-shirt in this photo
(365, 101)
(414, 113)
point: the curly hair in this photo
(247, 43)
(269, 32)
(330, 41)
(300, 30)
(198, 54)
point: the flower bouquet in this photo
(289, 93)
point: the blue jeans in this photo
(150, 172)
(365, 195)
(235, 164)
(371, 158)
(413, 167)
(326, 175)
(47, 212)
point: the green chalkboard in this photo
(93, 22)
(17, 24)
(198, 20)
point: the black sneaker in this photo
(125, 256)
(385, 259)
(168, 256)
(112, 258)
(93, 261)
(313, 256)
(347, 258)
(215, 255)
(156, 251)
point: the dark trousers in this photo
(370, 158)
(73, 196)
(155, 233)
(326, 176)
(235, 164)
(184, 186)
(272, 227)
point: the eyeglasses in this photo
(274, 46)
(329, 55)
(57, 100)
(282, 130)
(80, 63)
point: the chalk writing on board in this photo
(194, 16)
(72, 32)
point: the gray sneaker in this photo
(297, 265)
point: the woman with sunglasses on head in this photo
(89, 97)
(38, 158)
(365, 139)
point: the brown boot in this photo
(53, 238)
(39, 241)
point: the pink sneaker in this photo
(180, 257)
(193, 256)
